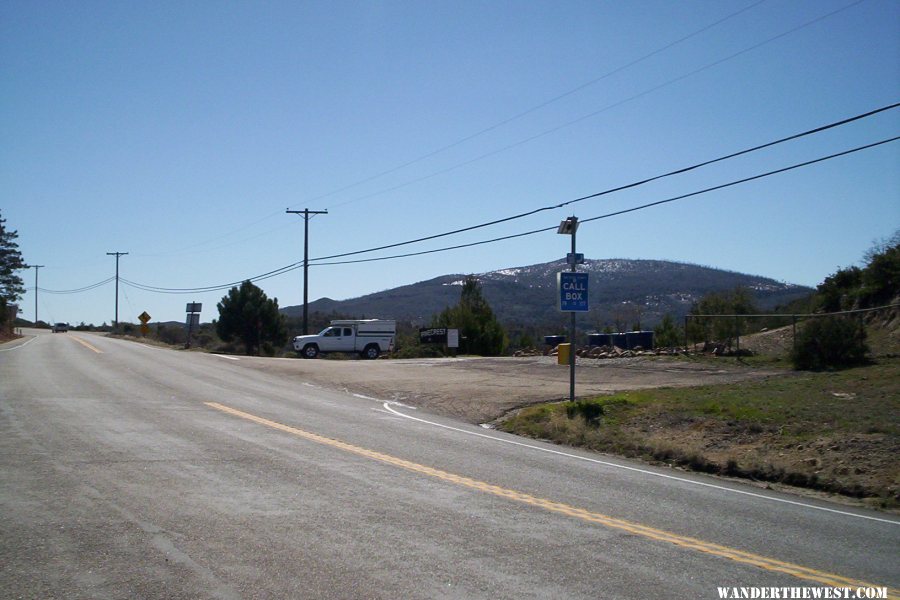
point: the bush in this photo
(667, 333)
(830, 343)
(589, 410)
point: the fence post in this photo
(794, 332)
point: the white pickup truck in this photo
(367, 337)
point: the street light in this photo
(569, 227)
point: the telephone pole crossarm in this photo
(306, 213)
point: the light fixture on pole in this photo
(569, 227)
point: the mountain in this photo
(626, 291)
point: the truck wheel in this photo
(371, 352)
(310, 351)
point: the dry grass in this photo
(837, 432)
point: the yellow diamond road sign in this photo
(144, 317)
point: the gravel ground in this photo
(478, 390)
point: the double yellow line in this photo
(763, 562)
(87, 344)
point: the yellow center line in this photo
(645, 531)
(87, 344)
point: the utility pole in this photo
(117, 255)
(572, 323)
(306, 212)
(36, 268)
(569, 227)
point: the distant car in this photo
(60, 328)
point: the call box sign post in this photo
(573, 291)
(572, 288)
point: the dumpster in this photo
(639, 339)
(554, 340)
(599, 339)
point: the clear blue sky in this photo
(179, 132)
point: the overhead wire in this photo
(538, 106)
(602, 110)
(623, 187)
(318, 260)
(79, 290)
(211, 288)
(624, 211)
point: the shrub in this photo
(830, 343)
(589, 410)
(667, 333)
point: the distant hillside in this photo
(624, 291)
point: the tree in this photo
(737, 302)
(250, 316)
(480, 332)
(667, 333)
(831, 342)
(881, 277)
(11, 284)
(876, 283)
(840, 291)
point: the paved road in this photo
(135, 472)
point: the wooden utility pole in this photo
(306, 212)
(36, 268)
(117, 255)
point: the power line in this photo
(537, 107)
(622, 212)
(623, 187)
(212, 288)
(646, 92)
(746, 179)
(86, 288)
(315, 261)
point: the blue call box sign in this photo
(573, 291)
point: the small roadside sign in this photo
(575, 259)
(144, 317)
(573, 291)
(145, 329)
(193, 307)
(433, 335)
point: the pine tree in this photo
(11, 284)
(480, 332)
(250, 316)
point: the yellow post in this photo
(562, 356)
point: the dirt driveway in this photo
(478, 390)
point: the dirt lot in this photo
(478, 390)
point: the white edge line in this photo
(227, 357)
(644, 471)
(19, 346)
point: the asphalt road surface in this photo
(135, 472)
